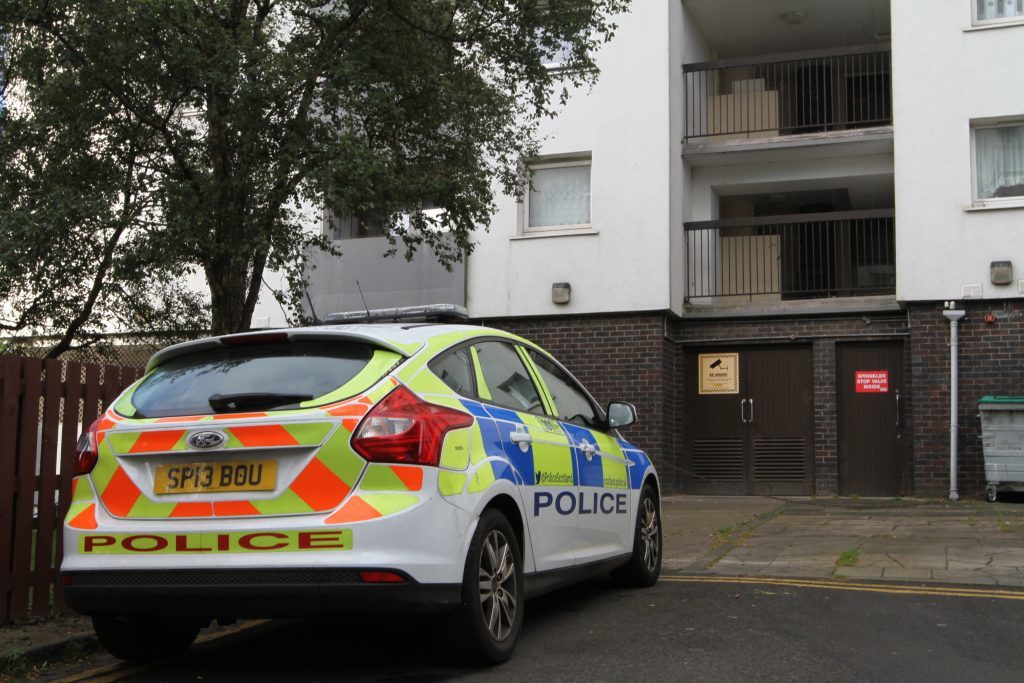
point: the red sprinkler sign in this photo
(872, 381)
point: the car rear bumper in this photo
(250, 592)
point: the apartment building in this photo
(755, 227)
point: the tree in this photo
(223, 121)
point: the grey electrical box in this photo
(1002, 272)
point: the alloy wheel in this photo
(649, 532)
(498, 589)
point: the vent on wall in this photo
(718, 459)
(779, 460)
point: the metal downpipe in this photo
(953, 316)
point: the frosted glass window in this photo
(560, 196)
(999, 167)
(988, 10)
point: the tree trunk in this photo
(228, 278)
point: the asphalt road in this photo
(677, 630)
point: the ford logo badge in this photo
(206, 439)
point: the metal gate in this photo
(748, 421)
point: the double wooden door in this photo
(749, 421)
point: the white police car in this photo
(331, 468)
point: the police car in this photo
(345, 467)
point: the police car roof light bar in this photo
(426, 313)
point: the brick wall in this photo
(628, 357)
(823, 333)
(991, 361)
(618, 357)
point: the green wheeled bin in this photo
(1002, 441)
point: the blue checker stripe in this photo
(502, 470)
(475, 409)
(588, 472)
(503, 414)
(640, 463)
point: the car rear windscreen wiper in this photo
(226, 403)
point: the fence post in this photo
(10, 377)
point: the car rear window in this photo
(256, 377)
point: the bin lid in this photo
(1001, 399)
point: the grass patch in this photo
(723, 534)
(882, 535)
(1005, 526)
(848, 558)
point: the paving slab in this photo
(910, 540)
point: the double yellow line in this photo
(899, 589)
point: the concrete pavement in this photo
(966, 542)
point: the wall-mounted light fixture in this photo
(560, 292)
(1001, 272)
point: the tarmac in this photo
(916, 541)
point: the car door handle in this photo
(522, 438)
(588, 449)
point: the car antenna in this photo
(316, 318)
(369, 318)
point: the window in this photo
(559, 196)
(556, 57)
(455, 370)
(999, 163)
(263, 376)
(571, 402)
(998, 10)
(506, 377)
(352, 226)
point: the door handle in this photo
(897, 407)
(751, 420)
(522, 438)
(743, 413)
(588, 449)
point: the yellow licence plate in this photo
(214, 477)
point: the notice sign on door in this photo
(872, 381)
(719, 373)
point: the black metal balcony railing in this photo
(788, 94)
(803, 256)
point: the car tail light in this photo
(404, 428)
(87, 451)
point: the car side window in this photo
(455, 369)
(571, 402)
(507, 379)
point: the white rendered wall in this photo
(944, 75)
(623, 122)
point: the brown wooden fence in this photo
(44, 404)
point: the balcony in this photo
(800, 256)
(818, 91)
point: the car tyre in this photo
(644, 565)
(144, 637)
(492, 591)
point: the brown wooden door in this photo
(871, 414)
(757, 439)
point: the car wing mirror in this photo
(621, 414)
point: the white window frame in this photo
(999, 21)
(566, 161)
(558, 60)
(990, 202)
